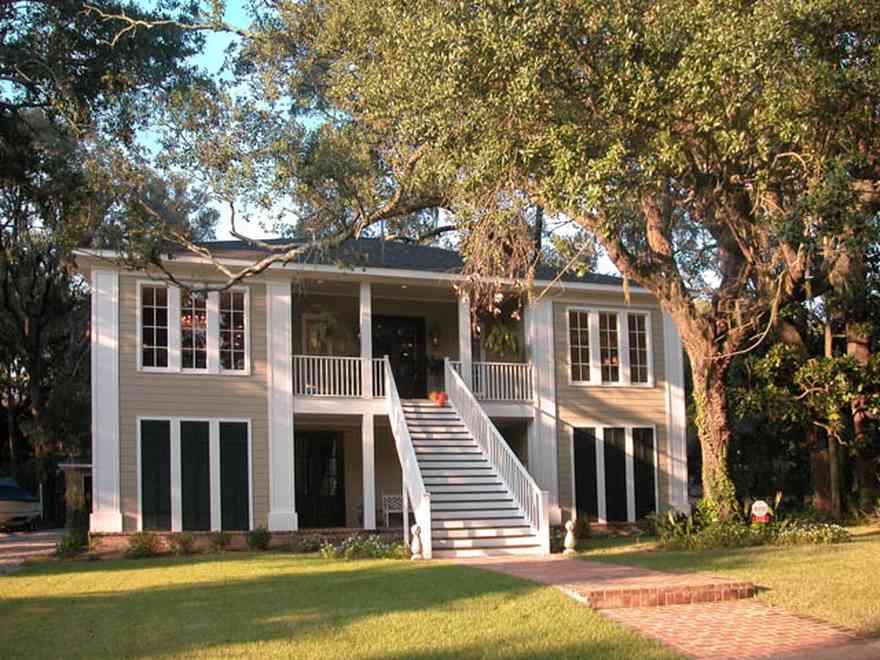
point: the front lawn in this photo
(836, 583)
(282, 605)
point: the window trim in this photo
(602, 505)
(175, 332)
(194, 370)
(176, 467)
(624, 373)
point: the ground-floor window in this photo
(194, 474)
(614, 472)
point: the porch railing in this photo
(500, 381)
(333, 376)
(414, 486)
(531, 499)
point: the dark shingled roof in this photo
(396, 255)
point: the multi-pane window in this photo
(609, 353)
(638, 347)
(193, 330)
(579, 345)
(154, 326)
(232, 330)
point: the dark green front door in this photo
(320, 480)
(402, 339)
(615, 474)
(585, 474)
(195, 475)
(156, 474)
(234, 480)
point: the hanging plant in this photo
(327, 333)
(502, 340)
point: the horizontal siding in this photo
(579, 406)
(191, 395)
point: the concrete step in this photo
(481, 532)
(501, 542)
(485, 552)
(474, 514)
(479, 523)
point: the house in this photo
(297, 399)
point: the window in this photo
(579, 345)
(638, 347)
(193, 331)
(154, 326)
(232, 330)
(609, 352)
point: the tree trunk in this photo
(833, 449)
(710, 401)
(858, 345)
(820, 470)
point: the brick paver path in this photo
(732, 629)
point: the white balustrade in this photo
(414, 486)
(500, 381)
(329, 375)
(531, 499)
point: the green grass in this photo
(282, 605)
(836, 583)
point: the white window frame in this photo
(601, 504)
(175, 332)
(208, 365)
(622, 346)
(176, 468)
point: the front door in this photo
(320, 479)
(402, 339)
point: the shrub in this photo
(364, 547)
(182, 543)
(72, 544)
(219, 541)
(793, 532)
(306, 544)
(142, 545)
(258, 539)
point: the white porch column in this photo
(542, 435)
(282, 495)
(368, 458)
(366, 316)
(464, 339)
(106, 511)
(676, 420)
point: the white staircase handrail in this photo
(533, 501)
(419, 496)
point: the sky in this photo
(211, 60)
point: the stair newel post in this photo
(544, 517)
(427, 551)
(405, 507)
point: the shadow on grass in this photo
(294, 602)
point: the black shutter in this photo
(195, 475)
(234, 489)
(587, 504)
(156, 474)
(615, 475)
(643, 471)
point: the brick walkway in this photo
(732, 627)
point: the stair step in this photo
(474, 514)
(465, 488)
(466, 468)
(424, 405)
(433, 435)
(481, 532)
(447, 442)
(434, 449)
(510, 522)
(438, 415)
(483, 496)
(506, 505)
(485, 552)
(502, 542)
(455, 480)
(433, 427)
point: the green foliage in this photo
(258, 539)
(142, 545)
(306, 544)
(364, 547)
(503, 340)
(72, 544)
(182, 543)
(219, 541)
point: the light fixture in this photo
(404, 286)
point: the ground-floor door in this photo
(402, 339)
(320, 479)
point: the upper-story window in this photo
(579, 345)
(232, 330)
(154, 326)
(609, 347)
(194, 330)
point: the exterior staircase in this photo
(473, 514)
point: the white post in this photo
(676, 420)
(214, 460)
(176, 479)
(368, 451)
(106, 512)
(366, 316)
(464, 339)
(405, 508)
(282, 495)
